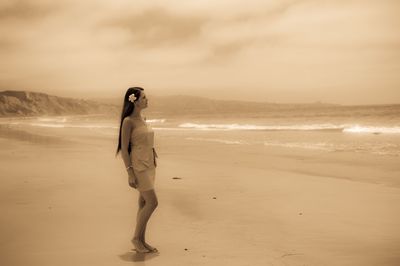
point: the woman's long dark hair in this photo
(127, 109)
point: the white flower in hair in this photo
(132, 98)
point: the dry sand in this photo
(67, 202)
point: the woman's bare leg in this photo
(137, 242)
(146, 245)
(141, 203)
(147, 204)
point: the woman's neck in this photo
(136, 113)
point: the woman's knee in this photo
(150, 199)
(153, 203)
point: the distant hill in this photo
(26, 103)
(184, 105)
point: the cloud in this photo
(25, 10)
(271, 13)
(229, 49)
(159, 27)
(225, 52)
(248, 28)
(223, 38)
(70, 44)
(6, 44)
(21, 21)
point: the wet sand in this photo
(66, 201)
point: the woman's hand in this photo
(132, 179)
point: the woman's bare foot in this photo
(139, 246)
(150, 248)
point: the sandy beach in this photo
(65, 200)
(276, 124)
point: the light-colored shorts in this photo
(145, 179)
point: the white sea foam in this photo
(373, 148)
(260, 127)
(170, 128)
(375, 130)
(47, 125)
(60, 122)
(224, 141)
(52, 119)
(158, 121)
(306, 127)
(64, 122)
(88, 126)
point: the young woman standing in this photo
(136, 144)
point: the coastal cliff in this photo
(26, 103)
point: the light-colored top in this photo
(143, 153)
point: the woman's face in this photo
(142, 101)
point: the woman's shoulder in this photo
(128, 122)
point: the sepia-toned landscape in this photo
(276, 125)
(305, 187)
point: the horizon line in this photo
(207, 98)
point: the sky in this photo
(339, 51)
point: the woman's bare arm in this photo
(126, 130)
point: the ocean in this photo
(358, 129)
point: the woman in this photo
(136, 141)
